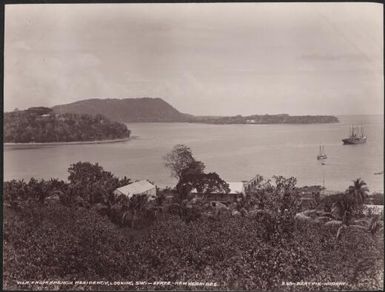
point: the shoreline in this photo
(11, 145)
(222, 123)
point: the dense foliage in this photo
(58, 242)
(42, 125)
(80, 231)
(190, 173)
(89, 184)
(350, 203)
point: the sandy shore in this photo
(33, 144)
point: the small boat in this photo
(355, 137)
(321, 155)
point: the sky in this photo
(204, 59)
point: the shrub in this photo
(56, 242)
(71, 241)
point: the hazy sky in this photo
(214, 59)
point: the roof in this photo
(235, 188)
(137, 187)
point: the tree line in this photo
(42, 125)
(266, 119)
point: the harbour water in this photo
(235, 152)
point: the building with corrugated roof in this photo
(142, 187)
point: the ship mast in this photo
(323, 179)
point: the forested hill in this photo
(131, 110)
(41, 124)
(126, 110)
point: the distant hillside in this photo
(42, 125)
(127, 110)
(157, 110)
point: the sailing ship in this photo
(321, 155)
(355, 136)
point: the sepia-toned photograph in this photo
(193, 146)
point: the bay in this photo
(235, 152)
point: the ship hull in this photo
(356, 141)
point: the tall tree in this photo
(93, 183)
(203, 183)
(190, 173)
(180, 160)
(86, 172)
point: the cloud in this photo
(202, 58)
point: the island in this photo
(155, 110)
(43, 125)
(266, 119)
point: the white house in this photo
(142, 187)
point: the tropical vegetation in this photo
(42, 125)
(79, 230)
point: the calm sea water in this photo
(235, 152)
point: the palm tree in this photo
(353, 198)
(358, 191)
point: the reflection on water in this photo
(236, 152)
